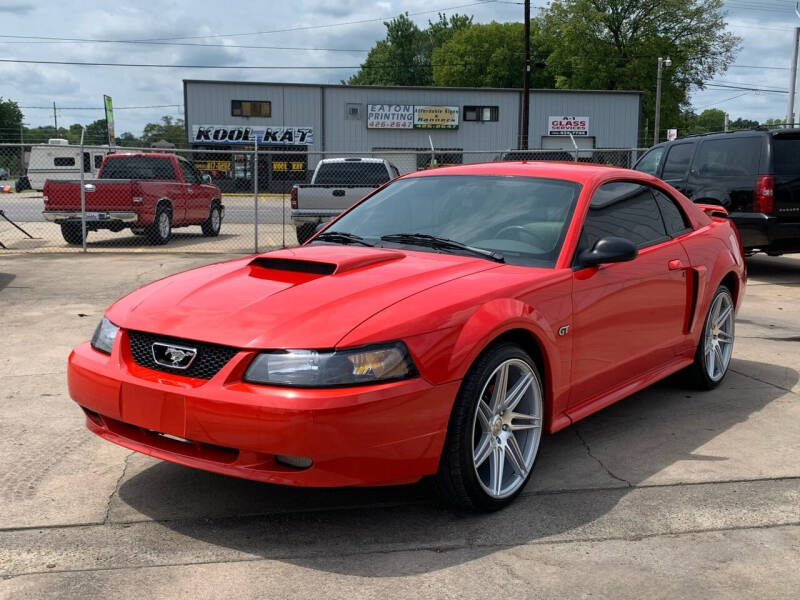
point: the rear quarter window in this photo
(729, 157)
(678, 158)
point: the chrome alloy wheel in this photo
(719, 336)
(163, 224)
(507, 428)
(215, 219)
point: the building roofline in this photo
(404, 87)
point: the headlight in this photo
(104, 335)
(312, 368)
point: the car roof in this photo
(569, 171)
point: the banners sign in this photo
(261, 134)
(408, 116)
(436, 117)
(109, 119)
(577, 126)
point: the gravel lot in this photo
(670, 493)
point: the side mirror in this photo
(608, 250)
(206, 178)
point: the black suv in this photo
(754, 174)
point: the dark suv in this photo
(754, 174)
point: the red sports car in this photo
(438, 327)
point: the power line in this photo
(164, 66)
(34, 39)
(60, 108)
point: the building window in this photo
(352, 111)
(251, 108)
(481, 113)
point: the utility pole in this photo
(526, 78)
(661, 64)
(726, 122)
(793, 80)
(55, 117)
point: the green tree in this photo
(169, 129)
(777, 123)
(96, 133)
(711, 119)
(741, 123)
(10, 121)
(405, 56)
(491, 55)
(128, 140)
(615, 45)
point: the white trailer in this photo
(58, 160)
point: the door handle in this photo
(675, 264)
(338, 192)
(89, 187)
(189, 191)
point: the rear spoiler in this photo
(714, 210)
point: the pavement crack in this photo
(764, 381)
(600, 462)
(116, 486)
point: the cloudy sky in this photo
(214, 32)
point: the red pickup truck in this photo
(149, 193)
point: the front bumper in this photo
(374, 435)
(63, 216)
(764, 232)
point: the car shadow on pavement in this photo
(662, 436)
(178, 239)
(783, 270)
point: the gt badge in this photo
(563, 330)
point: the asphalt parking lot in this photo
(670, 493)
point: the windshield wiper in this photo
(441, 243)
(342, 237)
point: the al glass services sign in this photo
(409, 116)
(263, 135)
(577, 126)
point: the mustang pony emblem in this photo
(172, 356)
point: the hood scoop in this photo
(324, 260)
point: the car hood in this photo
(307, 297)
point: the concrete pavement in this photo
(670, 493)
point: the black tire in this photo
(698, 372)
(22, 184)
(456, 481)
(213, 223)
(73, 234)
(304, 232)
(160, 231)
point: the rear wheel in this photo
(494, 431)
(714, 351)
(72, 233)
(161, 229)
(212, 225)
(304, 232)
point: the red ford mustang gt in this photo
(439, 327)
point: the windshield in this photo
(522, 218)
(137, 167)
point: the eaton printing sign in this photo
(408, 116)
(260, 134)
(577, 126)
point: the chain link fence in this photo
(86, 198)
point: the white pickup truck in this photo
(337, 184)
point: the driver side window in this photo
(623, 209)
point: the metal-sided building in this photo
(297, 124)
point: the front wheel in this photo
(494, 431)
(715, 348)
(211, 226)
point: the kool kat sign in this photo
(568, 125)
